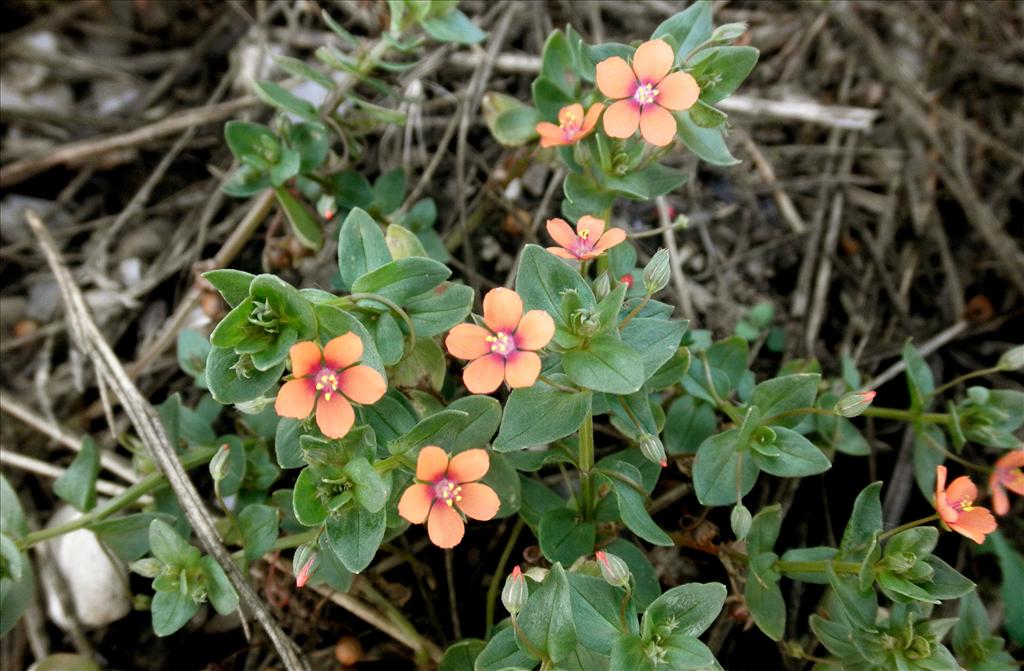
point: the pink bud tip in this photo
(627, 279)
(601, 556)
(304, 572)
(870, 395)
(664, 463)
(516, 573)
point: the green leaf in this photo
(1011, 565)
(809, 554)
(233, 285)
(605, 364)
(859, 605)
(403, 243)
(538, 500)
(764, 530)
(864, 524)
(294, 66)
(287, 166)
(715, 470)
(549, 97)
(920, 381)
(946, 582)
(764, 598)
(839, 433)
(423, 365)
(483, 417)
(540, 414)
(389, 190)
(686, 653)
(707, 143)
(727, 361)
(927, 457)
(192, 350)
(369, 487)
(439, 310)
(541, 279)
(401, 280)
(128, 536)
(706, 116)
(286, 443)
(355, 535)
(655, 339)
(687, 29)
(647, 184)
(798, 456)
(77, 485)
(168, 546)
(646, 586)
(222, 595)
(547, 619)
(688, 423)
(245, 181)
(516, 126)
(632, 505)
(564, 537)
(171, 611)
(720, 70)
(595, 608)
(502, 653)
(558, 62)
(304, 226)
(453, 26)
(388, 338)
(312, 142)
(583, 196)
(460, 656)
(258, 524)
(237, 464)
(628, 653)
(275, 96)
(250, 142)
(310, 509)
(785, 394)
(439, 429)
(503, 478)
(687, 610)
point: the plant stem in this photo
(554, 385)
(907, 415)
(932, 443)
(134, 493)
(963, 378)
(800, 411)
(817, 566)
(635, 311)
(908, 525)
(499, 571)
(586, 464)
(391, 305)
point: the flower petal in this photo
(468, 341)
(562, 253)
(550, 134)
(589, 227)
(362, 384)
(343, 351)
(485, 374)
(469, 466)
(522, 369)
(611, 237)
(305, 358)
(961, 489)
(622, 119)
(590, 121)
(1000, 501)
(657, 125)
(414, 506)
(975, 524)
(1012, 459)
(295, 399)
(561, 232)
(478, 501)
(615, 78)
(536, 329)
(335, 416)
(431, 464)
(444, 526)
(940, 481)
(679, 91)
(570, 114)
(502, 309)
(652, 61)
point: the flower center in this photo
(327, 382)
(501, 343)
(570, 126)
(1011, 477)
(965, 506)
(448, 491)
(646, 94)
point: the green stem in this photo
(554, 385)
(634, 312)
(586, 464)
(963, 378)
(725, 407)
(907, 415)
(629, 413)
(909, 525)
(817, 566)
(800, 411)
(394, 307)
(499, 571)
(528, 644)
(152, 481)
(932, 443)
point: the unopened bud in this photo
(515, 592)
(219, 463)
(627, 279)
(602, 286)
(304, 563)
(305, 572)
(613, 569)
(147, 568)
(327, 207)
(1012, 359)
(854, 403)
(727, 32)
(656, 273)
(740, 519)
(653, 449)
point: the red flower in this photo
(588, 242)
(1007, 474)
(955, 506)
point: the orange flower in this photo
(588, 242)
(1007, 474)
(442, 486)
(505, 350)
(572, 125)
(645, 93)
(328, 380)
(955, 506)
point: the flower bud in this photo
(306, 559)
(740, 520)
(653, 449)
(854, 403)
(515, 592)
(219, 463)
(147, 568)
(627, 279)
(727, 32)
(656, 272)
(602, 285)
(613, 569)
(1012, 359)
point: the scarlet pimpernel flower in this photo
(1007, 474)
(588, 242)
(444, 486)
(329, 380)
(572, 126)
(956, 508)
(646, 94)
(506, 349)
